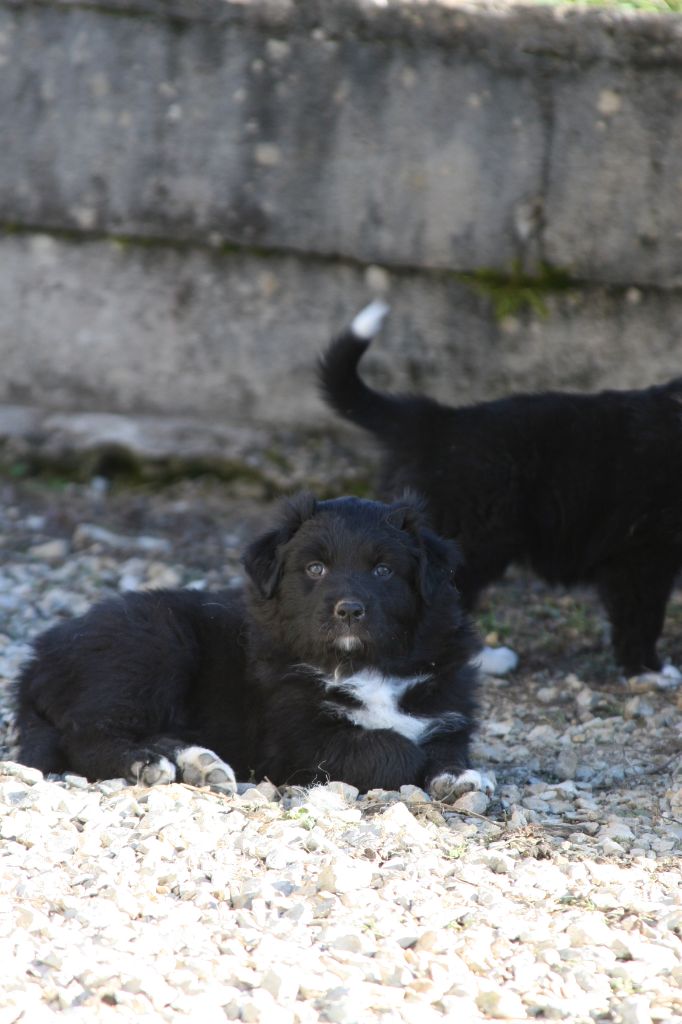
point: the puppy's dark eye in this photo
(382, 570)
(316, 570)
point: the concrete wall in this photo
(196, 192)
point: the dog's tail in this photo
(340, 384)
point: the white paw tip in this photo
(669, 678)
(202, 767)
(496, 661)
(449, 787)
(160, 772)
(369, 320)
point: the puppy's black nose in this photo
(348, 611)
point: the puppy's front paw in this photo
(201, 767)
(496, 661)
(158, 771)
(448, 787)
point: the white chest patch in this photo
(379, 696)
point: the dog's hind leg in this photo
(635, 594)
(158, 760)
(40, 742)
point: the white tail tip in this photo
(369, 320)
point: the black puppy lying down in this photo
(579, 487)
(346, 657)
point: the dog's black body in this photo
(348, 604)
(579, 487)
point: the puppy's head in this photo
(348, 580)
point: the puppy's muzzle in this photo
(349, 611)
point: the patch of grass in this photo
(302, 816)
(455, 852)
(514, 291)
(572, 900)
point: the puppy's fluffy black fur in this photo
(579, 487)
(345, 657)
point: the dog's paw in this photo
(448, 787)
(156, 772)
(369, 320)
(496, 661)
(669, 678)
(672, 675)
(201, 767)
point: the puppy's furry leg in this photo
(450, 775)
(102, 756)
(635, 594)
(158, 761)
(39, 743)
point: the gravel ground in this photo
(559, 899)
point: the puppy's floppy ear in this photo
(409, 513)
(262, 560)
(439, 559)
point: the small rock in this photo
(635, 1010)
(252, 795)
(475, 801)
(618, 831)
(517, 818)
(21, 771)
(414, 794)
(341, 874)
(589, 930)
(269, 791)
(638, 707)
(87, 534)
(500, 863)
(160, 576)
(397, 820)
(350, 943)
(75, 781)
(429, 941)
(542, 735)
(281, 984)
(349, 793)
(51, 551)
(502, 1004)
(567, 763)
(610, 847)
(586, 699)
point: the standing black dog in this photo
(346, 657)
(581, 488)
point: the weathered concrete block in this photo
(306, 140)
(421, 135)
(613, 206)
(226, 336)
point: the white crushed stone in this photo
(560, 898)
